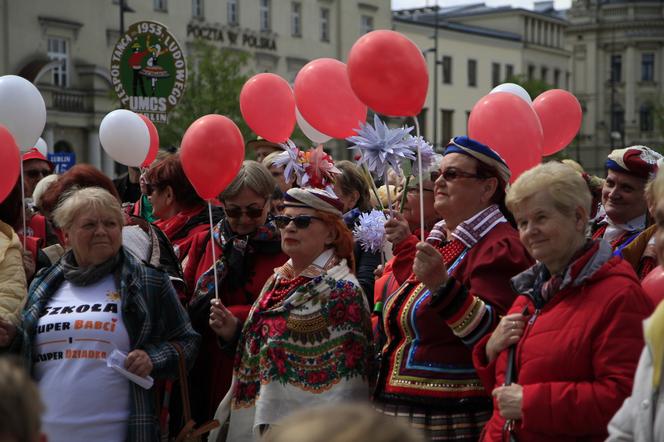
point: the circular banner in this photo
(148, 70)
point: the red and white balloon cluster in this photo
(521, 130)
(129, 138)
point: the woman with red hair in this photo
(181, 214)
(307, 339)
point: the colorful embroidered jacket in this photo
(426, 360)
(312, 347)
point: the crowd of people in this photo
(520, 317)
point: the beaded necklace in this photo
(281, 290)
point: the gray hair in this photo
(253, 175)
(87, 199)
(561, 182)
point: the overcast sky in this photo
(528, 4)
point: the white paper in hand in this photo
(116, 360)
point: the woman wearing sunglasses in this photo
(247, 249)
(431, 323)
(181, 214)
(307, 339)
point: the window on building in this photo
(616, 68)
(531, 72)
(495, 74)
(617, 119)
(448, 126)
(647, 66)
(264, 11)
(472, 72)
(366, 24)
(325, 24)
(556, 78)
(197, 9)
(160, 5)
(296, 19)
(422, 121)
(447, 69)
(232, 12)
(646, 119)
(544, 71)
(59, 50)
(509, 72)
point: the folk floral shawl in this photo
(311, 347)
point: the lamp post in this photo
(436, 62)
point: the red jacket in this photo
(576, 358)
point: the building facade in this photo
(65, 47)
(479, 47)
(618, 72)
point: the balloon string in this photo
(419, 177)
(25, 228)
(214, 255)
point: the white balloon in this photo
(309, 131)
(22, 110)
(125, 137)
(42, 146)
(513, 89)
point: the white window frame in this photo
(198, 8)
(264, 15)
(325, 25)
(61, 53)
(233, 12)
(296, 19)
(160, 5)
(366, 24)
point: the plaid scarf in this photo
(237, 257)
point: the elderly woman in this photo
(247, 248)
(95, 300)
(307, 338)
(181, 214)
(459, 287)
(561, 361)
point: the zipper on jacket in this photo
(529, 326)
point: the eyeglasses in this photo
(452, 174)
(251, 212)
(300, 221)
(36, 173)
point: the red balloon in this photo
(10, 159)
(560, 115)
(653, 285)
(268, 106)
(325, 99)
(154, 141)
(212, 152)
(388, 73)
(508, 125)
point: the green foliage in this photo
(533, 86)
(214, 81)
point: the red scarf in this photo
(172, 225)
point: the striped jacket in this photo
(153, 317)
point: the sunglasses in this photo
(452, 174)
(251, 212)
(36, 173)
(300, 221)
